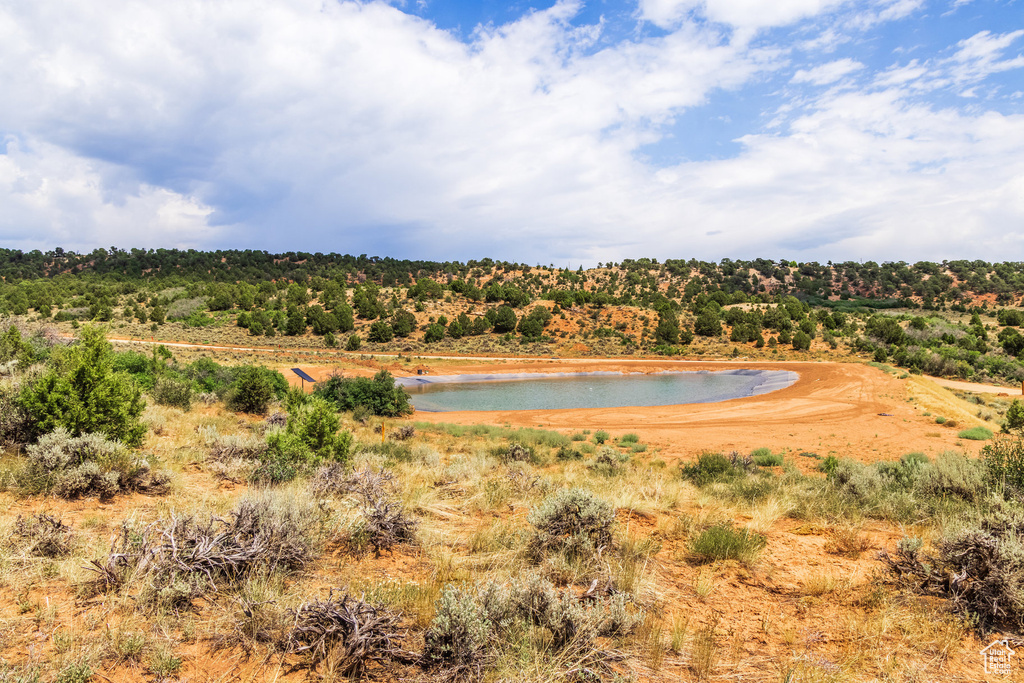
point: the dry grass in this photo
(471, 511)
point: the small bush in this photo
(956, 475)
(348, 631)
(251, 392)
(723, 542)
(628, 439)
(457, 639)
(402, 433)
(710, 467)
(181, 559)
(368, 484)
(386, 524)
(829, 464)
(316, 425)
(768, 460)
(1004, 460)
(606, 461)
(42, 536)
(168, 391)
(565, 453)
(847, 542)
(976, 434)
(600, 437)
(940, 420)
(82, 393)
(514, 452)
(361, 414)
(472, 627)
(979, 570)
(578, 436)
(571, 517)
(70, 467)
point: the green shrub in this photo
(458, 636)
(207, 376)
(940, 420)
(767, 460)
(1004, 459)
(379, 395)
(353, 342)
(829, 464)
(514, 452)
(710, 467)
(976, 434)
(277, 466)
(380, 332)
(578, 436)
(81, 393)
(723, 542)
(474, 627)
(565, 453)
(169, 391)
(316, 425)
(138, 365)
(956, 475)
(253, 388)
(79, 672)
(600, 437)
(628, 439)
(1014, 417)
(606, 461)
(571, 519)
(91, 464)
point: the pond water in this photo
(588, 390)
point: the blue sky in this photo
(545, 132)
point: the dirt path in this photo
(975, 387)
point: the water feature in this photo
(588, 390)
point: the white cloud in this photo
(53, 198)
(292, 114)
(354, 127)
(743, 14)
(980, 55)
(829, 72)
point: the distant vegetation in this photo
(955, 319)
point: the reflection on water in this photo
(596, 390)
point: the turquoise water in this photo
(592, 390)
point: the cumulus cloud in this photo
(51, 198)
(356, 127)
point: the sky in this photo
(560, 133)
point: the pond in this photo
(588, 390)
